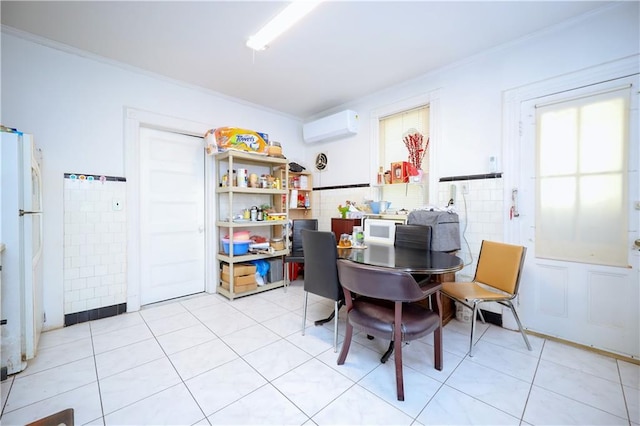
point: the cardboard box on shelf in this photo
(239, 269)
(240, 279)
(240, 288)
(400, 172)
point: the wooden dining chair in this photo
(321, 275)
(376, 300)
(497, 279)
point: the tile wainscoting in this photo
(482, 210)
(95, 247)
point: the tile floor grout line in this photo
(533, 379)
(95, 366)
(624, 394)
(182, 381)
(280, 338)
(467, 356)
(4, 405)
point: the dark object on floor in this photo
(64, 417)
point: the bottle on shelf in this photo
(307, 202)
(380, 176)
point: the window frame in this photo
(430, 99)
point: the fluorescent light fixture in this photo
(282, 22)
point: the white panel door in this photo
(172, 238)
(588, 303)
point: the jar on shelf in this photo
(253, 180)
(274, 149)
(277, 243)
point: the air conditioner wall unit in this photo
(332, 127)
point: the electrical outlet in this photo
(464, 188)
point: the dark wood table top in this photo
(403, 258)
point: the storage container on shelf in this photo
(239, 247)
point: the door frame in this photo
(134, 119)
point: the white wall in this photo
(74, 106)
(470, 120)
(471, 93)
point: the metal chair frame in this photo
(481, 290)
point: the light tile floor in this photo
(204, 360)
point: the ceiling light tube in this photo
(282, 22)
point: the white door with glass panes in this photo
(579, 165)
(172, 239)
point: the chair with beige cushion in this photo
(497, 279)
(377, 304)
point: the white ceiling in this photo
(342, 51)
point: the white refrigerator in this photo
(21, 232)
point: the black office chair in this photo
(413, 236)
(296, 251)
(384, 310)
(321, 275)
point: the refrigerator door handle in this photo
(23, 212)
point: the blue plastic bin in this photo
(239, 247)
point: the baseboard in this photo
(94, 314)
(491, 317)
(496, 319)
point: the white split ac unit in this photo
(335, 126)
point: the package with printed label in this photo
(241, 140)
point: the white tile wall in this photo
(482, 213)
(326, 202)
(95, 246)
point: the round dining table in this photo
(412, 260)
(405, 259)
